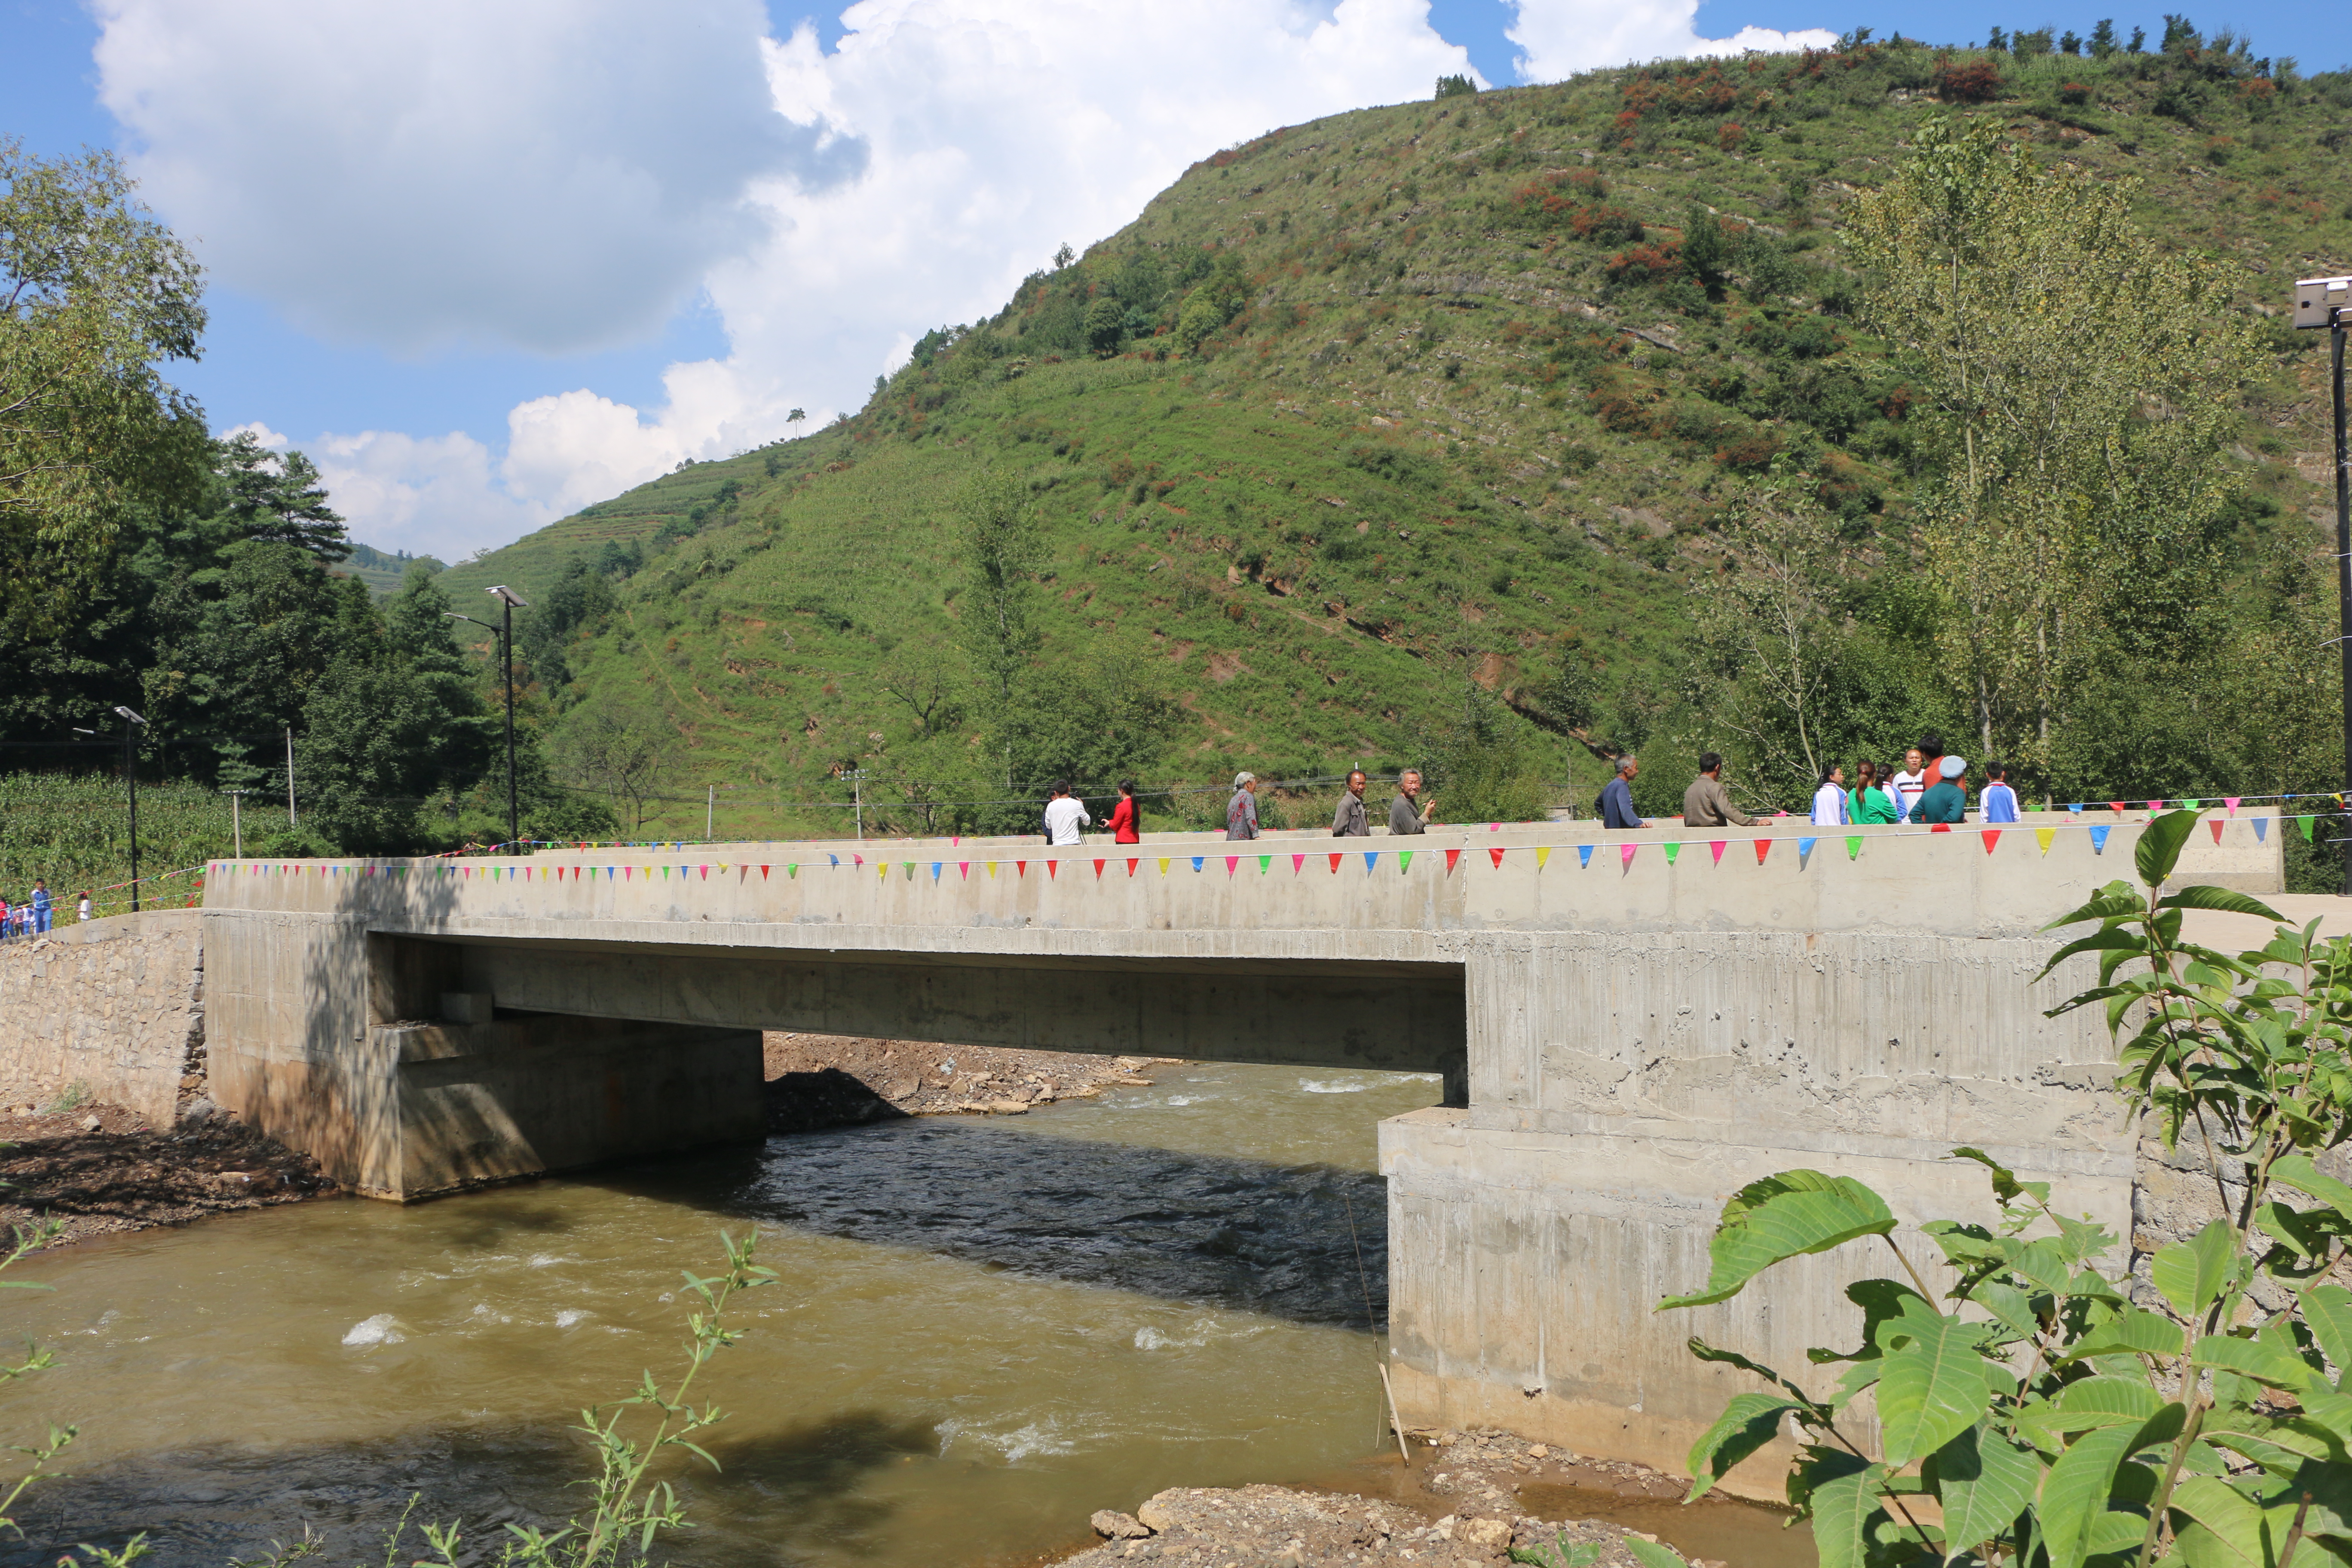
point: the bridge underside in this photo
(487, 1059)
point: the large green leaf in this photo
(1984, 1482)
(2259, 1359)
(2111, 940)
(2222, 899)
(2134, 1332)
(1842, 1511)
(2113, 901)
(2074, 1492)
(2159, 845)
(1746, 1423)
(2233, 1521)
(2296, 1171)
(1782, 1217)
(2191, 1274)
(1650, 1554)
(1936, 1382)
(2128, 1397)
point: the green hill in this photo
(1363, 414)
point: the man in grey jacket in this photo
(1348, 820)
(1706, 804)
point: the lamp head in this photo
(127, 713)
(509, 596)
(2316, 301)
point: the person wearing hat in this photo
(1946, 800)
(1240, 812)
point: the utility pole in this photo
(512, 602)
(131, 783)
(2326, 302)
(857, 799)
(292, 821)
(236, 817)
(710, 814)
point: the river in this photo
(983, 1331)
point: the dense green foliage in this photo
(73, 830)
(2047, 1408)
(1475, 390)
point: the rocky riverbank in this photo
(835, 1080)
(1468, 1501)
(95, 1169)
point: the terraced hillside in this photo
(1363, 414)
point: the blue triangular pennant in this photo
(2261, 829)
(1370, 856)
(1196, 862)
(2099, 839)
(1585, 855)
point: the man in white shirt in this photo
(1908, 785)
(1064, 817)
(1829, 801)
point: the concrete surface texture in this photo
(113, 1009)
(1626, 1039)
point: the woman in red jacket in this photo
(1123, 816)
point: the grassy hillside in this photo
(1363, 411)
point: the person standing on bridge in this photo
(1123, 819)
(1616, 802)
(1408, 813)
(1909, 784)
(1350, 821)
(1829, 801)
(82, 910)
(1871, 802)
(1064, 817)
(1946, 800)
(1706, 803)
(40, 906)
(1240, 812)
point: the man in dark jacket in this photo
(1349, 821)
(1617, 796)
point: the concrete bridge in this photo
(1627, 1033)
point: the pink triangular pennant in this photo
(1626, 855)
(1232, 861)
(1717, 848)
(1298, 863)
(2231, 802)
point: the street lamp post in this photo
(2326, 303)
(511, 601)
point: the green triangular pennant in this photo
(1404, 860)
(2305, 823)
(1673, 851)
(1264, 862)
(1854, 847)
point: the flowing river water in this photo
(983, 1331)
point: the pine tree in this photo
(279, 499)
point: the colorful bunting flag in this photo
(1098, 866)
(1196, 861)
(2076, 808)
(2231, 802)
(1991, 837)
(1716, 846)
(1763, 847)
(1163, 865)
(2099, 839)
(1131, 863)
(1020, 867)
(1543, 853)
(1053, 870)
(963, 871)
(1672, 851)
(1452, 856)
(1405, 861)
(2043, 836)
(1805, 849)
(1497, 854)
(1336, 855)
(1625, 852)
(2216, 825)
(2306, 823)
(935, 873)
(1941, 828)
(1232, 864)
(1853, 846)
(1264, 864)
(1583, 856)
(2262, 829)
(1371, 858)
(1298, 864)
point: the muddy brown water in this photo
(983, 1331)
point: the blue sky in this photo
(472, 352)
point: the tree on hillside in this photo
(1002, 550)
(1479, 765)
(279, 497)
(93, 295)
(2081, 384)
(622, 750)
(1769, 637)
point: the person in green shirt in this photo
(1947, 800)
(1871, 801)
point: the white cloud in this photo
(1557, 38)
(429, 495)
(553, 174)
(261, 433)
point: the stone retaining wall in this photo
(114, 1007)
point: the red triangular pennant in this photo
(1496, 856)
(1763, 847)
(1131, 861)
(2216, 825)
(1451, 856)
(1021, 868)
(1098, 866)
(1053, 870)
(1335, 861)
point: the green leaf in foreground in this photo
(1782, 1217)
(1936, 1383)
(1985, 1481)
(1746, 1423)
(1650, 1554)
